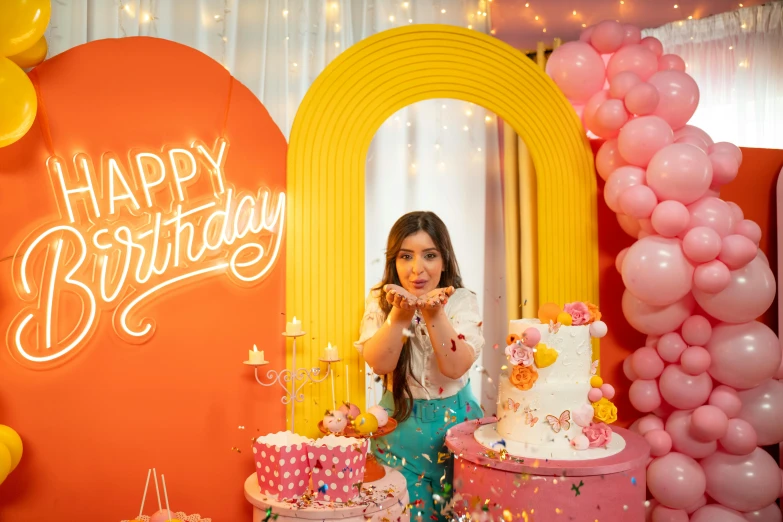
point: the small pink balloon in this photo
(736, 212)
(628, 370)
(723, 146)
(762, 408)
(671, 62)
(696, 505)
(635, 58)
(679, 96)
(642, 137)
(716, 513)
(670, 218)
(676, 480)
(531, 337)
(742, 482)
(610, 116)
(164, 515)
(690, 130)
(696, 142)
(638, 201)
(727, 399)
(652, 341)
(607, 390)
(740, 438)
(682, 390)
(598, 329)
(618, 262)
(607, 36)
(586, 34)
(737, 251)
(630, 225)
(644, 395)
(744, 355)
(647, 364)
(622, 83)
(619, 181)
(642, 99)
(608, 159)
(665, 514)
(708, 423)
(711, 212)
(648, 423)
(594, 395)
(656, 271)
(660, 442)
(670, 347)
(678, 426)
(770, 513)
(591, 108)
(653, 44)
(711, 277)
(577, 69)
(724, 168)
(696, 330)
(695, 360)
(749, 294)
(633, 35)
(656, 320)
(679, 172)
(750, 229)
(701, 244)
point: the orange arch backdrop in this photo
(94, 425)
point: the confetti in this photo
(323, 488)
(461, 337)
(453, 345)
(633, 480)
(429, 459)
(442, 457)
(237, 450)
(270, 515)
(575, 488)
(496, 346)
(407, 333)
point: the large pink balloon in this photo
(716, 513)
(680, 172)
(577, 69)
(669, 218)
(696, 330)
(727, 399)
(634, 58)
(690, 130)
(676, 480)
(664, 514)
(608, 159)
(682, 390)
(656, 320)
(737, 251)
(660, 442)
(656, 270)
(711, 212)
(671, 62)
(708, 423)
(678, 426)
(607, 36)
(762, 408)
(639, 201)
(742, 482)
(620, 180)
(749, 294)
(740, 438)
(743, 355)
(642, 99)
(644, 395)
(770, 513)
(711, 277)
(642, 137)
(679, 97)
(701, 244)
(647, 364)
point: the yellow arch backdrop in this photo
(331, 135)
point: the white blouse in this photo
(463, 313)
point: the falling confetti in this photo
(323, 488)
(453, 345)
(429, 459)
(461, 337)
(407, 333)
(633, 480)
(237, 450)
(575, 488)
(270, 515)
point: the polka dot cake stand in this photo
(373, 469)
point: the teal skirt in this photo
(416, 448)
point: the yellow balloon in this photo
(5, 462)
(32, 56)
(18, 103)
(22, 23)
(13, 442)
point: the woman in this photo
(421, 330)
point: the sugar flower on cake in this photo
(579, 312)
(605, 411)
(595, 313)
(524, 377)
(598, 434)
(519, 354)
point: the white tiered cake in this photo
(551, 405)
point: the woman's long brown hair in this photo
(408, 225)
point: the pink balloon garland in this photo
(707, 376)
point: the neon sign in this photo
(140, 235)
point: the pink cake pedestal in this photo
(384, 499)
(613, 489)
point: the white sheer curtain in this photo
(439, 155)
(736, 59)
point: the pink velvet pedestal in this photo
(612, 489)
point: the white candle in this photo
(330, 353)
(293, 328)
(255, 357)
